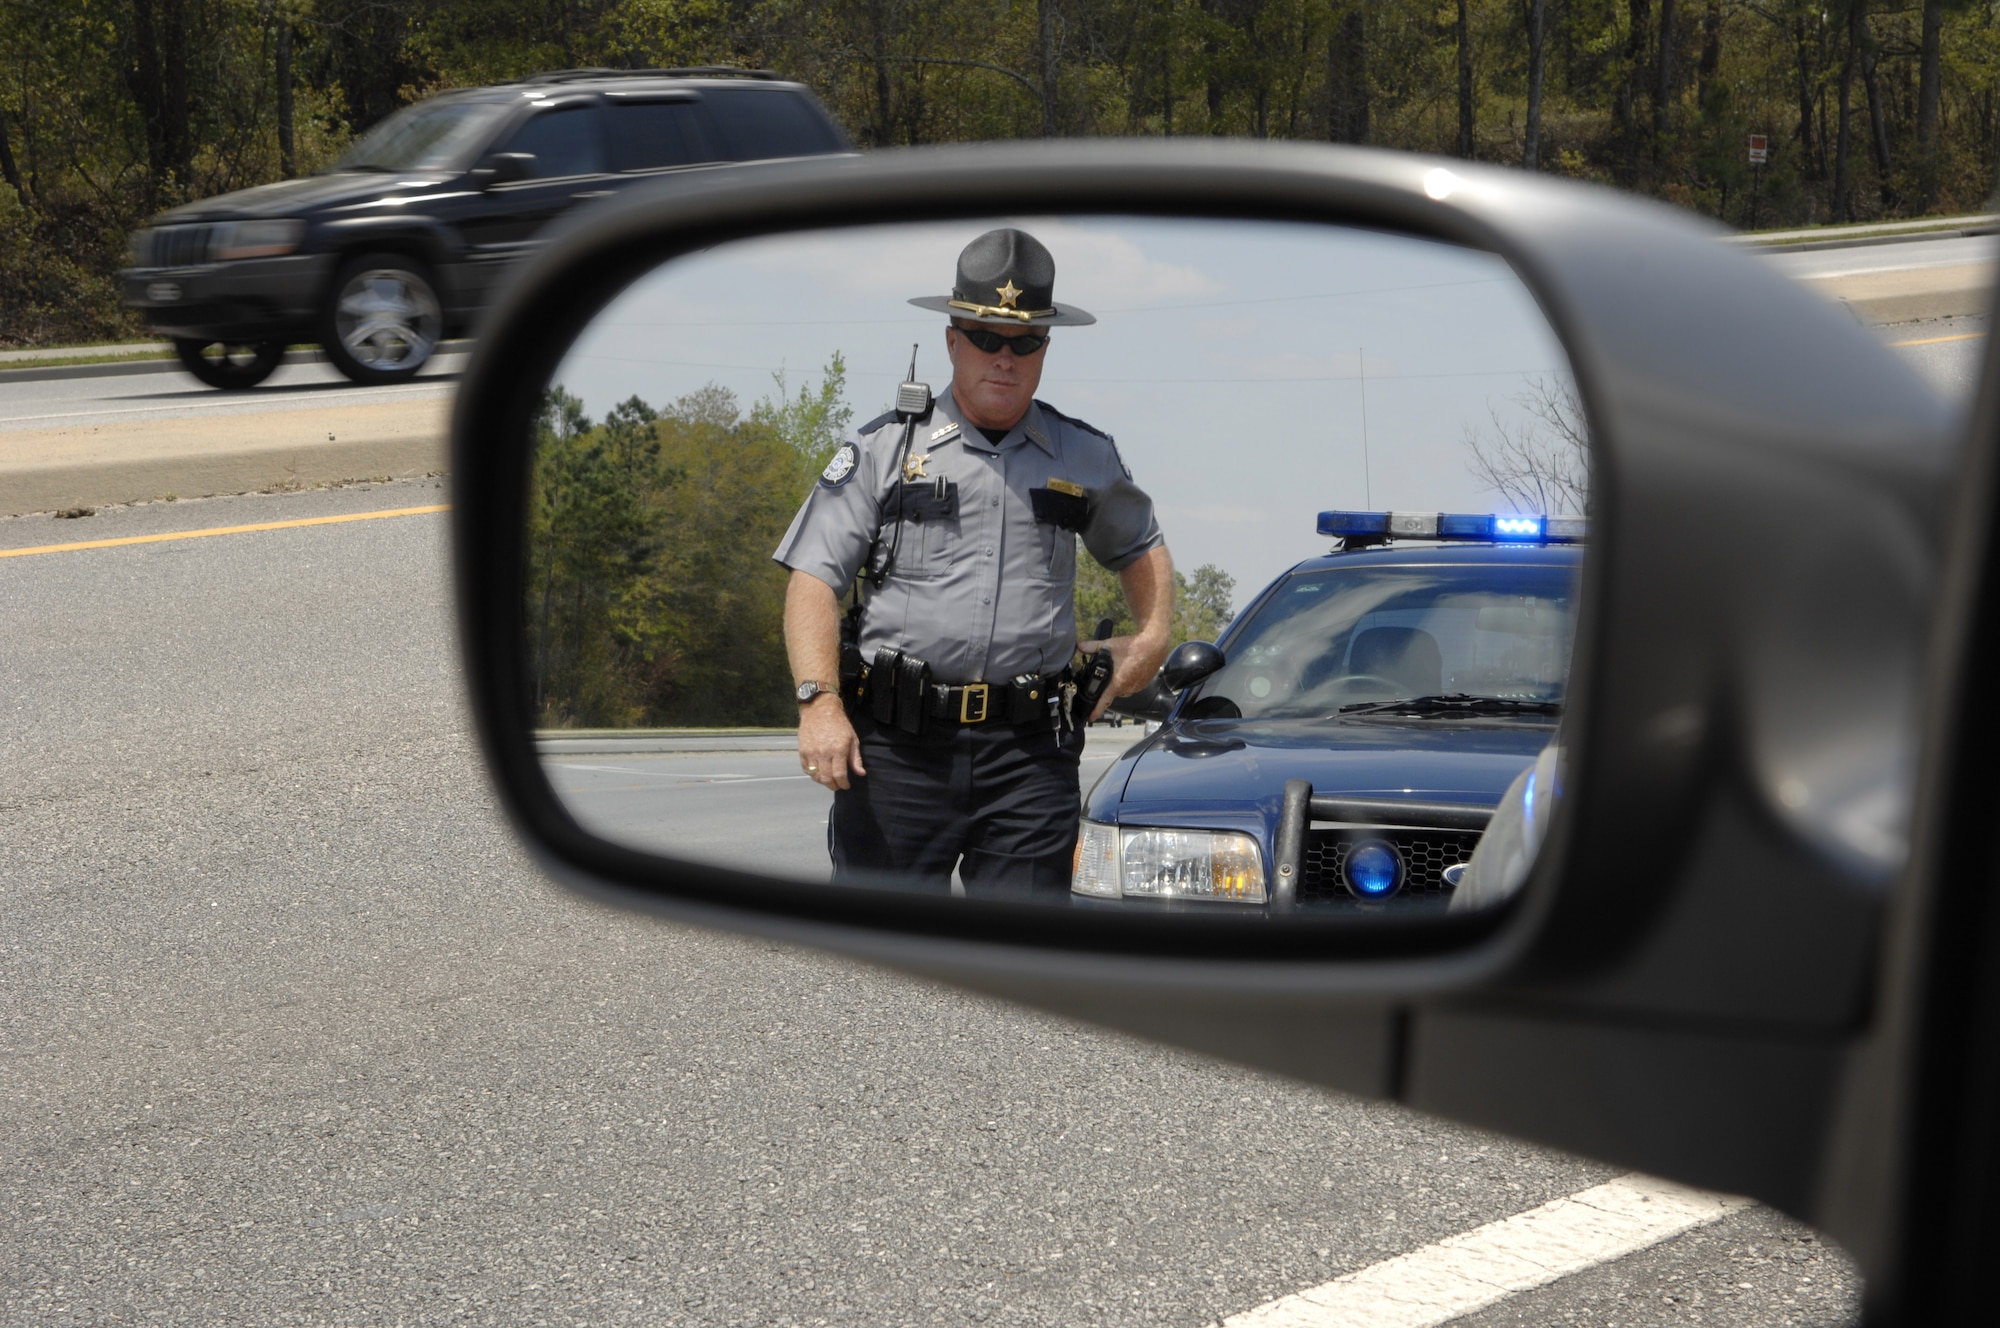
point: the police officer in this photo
(959, 746)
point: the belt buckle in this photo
(965, 715)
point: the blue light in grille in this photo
(1374, 870)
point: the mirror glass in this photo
(1320, 493)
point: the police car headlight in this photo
(1191, 864)
(1096, 869)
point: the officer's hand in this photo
(1134, 661)
(828, 747)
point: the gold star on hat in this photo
(1014, 271)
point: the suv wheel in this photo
(229, 365)
(384, 321)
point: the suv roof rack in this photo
(689, 71)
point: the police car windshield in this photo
(1346, 636)
(436, 136)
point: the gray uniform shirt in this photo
(987, 591)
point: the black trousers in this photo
(999, 804)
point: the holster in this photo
(853, 670)
(1092, 677)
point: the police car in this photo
(1344, 744)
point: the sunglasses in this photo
(1027, 343)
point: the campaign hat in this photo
(1006, 277)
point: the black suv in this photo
(404, 240)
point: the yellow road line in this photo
(1932, 341)
(223, 530)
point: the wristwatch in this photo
(810, 689)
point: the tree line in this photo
(113, 109)
(652, 599)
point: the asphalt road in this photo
(1899, 256)
(1949, 352)
(738, 804)
(166, 391)
(292, 1033)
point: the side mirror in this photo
(498, 168)
(1682, 981)
(1190, 663)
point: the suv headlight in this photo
(255, 239)
(1145, 863)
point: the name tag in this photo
(1064, 486)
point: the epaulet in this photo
(890, 417)
(1047, 409)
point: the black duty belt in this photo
(1024, 700)
(896, 689)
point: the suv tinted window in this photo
(565, 141)
(760, 122)
(646, 135)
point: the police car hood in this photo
(1212, 764)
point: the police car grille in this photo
(177, 246)
(1425, 853)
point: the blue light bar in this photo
(1344, 524)
(1458, 525)
(1487, 528)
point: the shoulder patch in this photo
(1047, 409)
(841, 469)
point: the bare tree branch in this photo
(1540, 464)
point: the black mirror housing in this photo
(1678, 985)
(498, 168)
(1190, 663)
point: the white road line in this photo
(1476, 1268)
(237, 407)
(674, 774)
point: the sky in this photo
(1253, 373)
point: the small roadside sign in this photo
(1760, 151)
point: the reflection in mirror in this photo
(835, 571)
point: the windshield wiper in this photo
(1457, 703)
